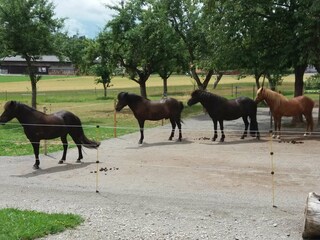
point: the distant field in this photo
(62, 83)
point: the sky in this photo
(85, 17)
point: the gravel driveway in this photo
(194, 189)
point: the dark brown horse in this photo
(38, 126)
(144, 109)
(281, 106)
(220, 109)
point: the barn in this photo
(45, 65)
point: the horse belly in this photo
(46, 132)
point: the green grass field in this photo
(83, 97)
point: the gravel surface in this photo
(194, 189)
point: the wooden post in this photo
(312, 217)
(115, 120)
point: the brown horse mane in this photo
(207, 95)
(18, 106)
(277, 98)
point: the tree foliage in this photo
(28, 28)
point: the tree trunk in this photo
(143, 89)
(201, 86)
(33, 79)
(298, 87)
(105, 90)
(312, 217)
(216, 82)
(165, 87)
(298, 82)
(207, 79)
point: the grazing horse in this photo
(38, 126)
(144, 109)
(280, 106)
(220, 108)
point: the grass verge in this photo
(24, 224)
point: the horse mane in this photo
(19, 105)
(208, 95)
(274, 95)
(135, 98)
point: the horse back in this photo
(239, 107)
(157, 110)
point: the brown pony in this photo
(144, 109)
(280, 106)
(38, 126)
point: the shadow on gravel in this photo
(231, 142)
(59, 168)
(157, 144)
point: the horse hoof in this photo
(242, 137)
(60, 162)
(170, 138)
(35, 166)
(78, 161)
(213, 139)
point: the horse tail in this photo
(254, 129)
(88, 143)
(78, 135)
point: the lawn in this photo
(19, 224)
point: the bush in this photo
(313, 82)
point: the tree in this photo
(188, 20)
(103, 65)
(135, 40)
(28, 28)
(74, 48)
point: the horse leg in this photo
(278, 125)
(309, 121)
(246, 125)
(141, 125)
(275, 119)
(222, 132)
(173, 124)
(179, 127)
(65, 147)
(215, 126)
(35, 145)
(78, 143)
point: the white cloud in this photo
(86, 17)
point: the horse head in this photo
(260, 95)
(194, 97)
(10, 109)
(122, 101)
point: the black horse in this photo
(38, 126)
(220, 108)
(144, 109)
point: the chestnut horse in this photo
(144, 109)
(38, 126)
(280, 106)
(220, 109)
